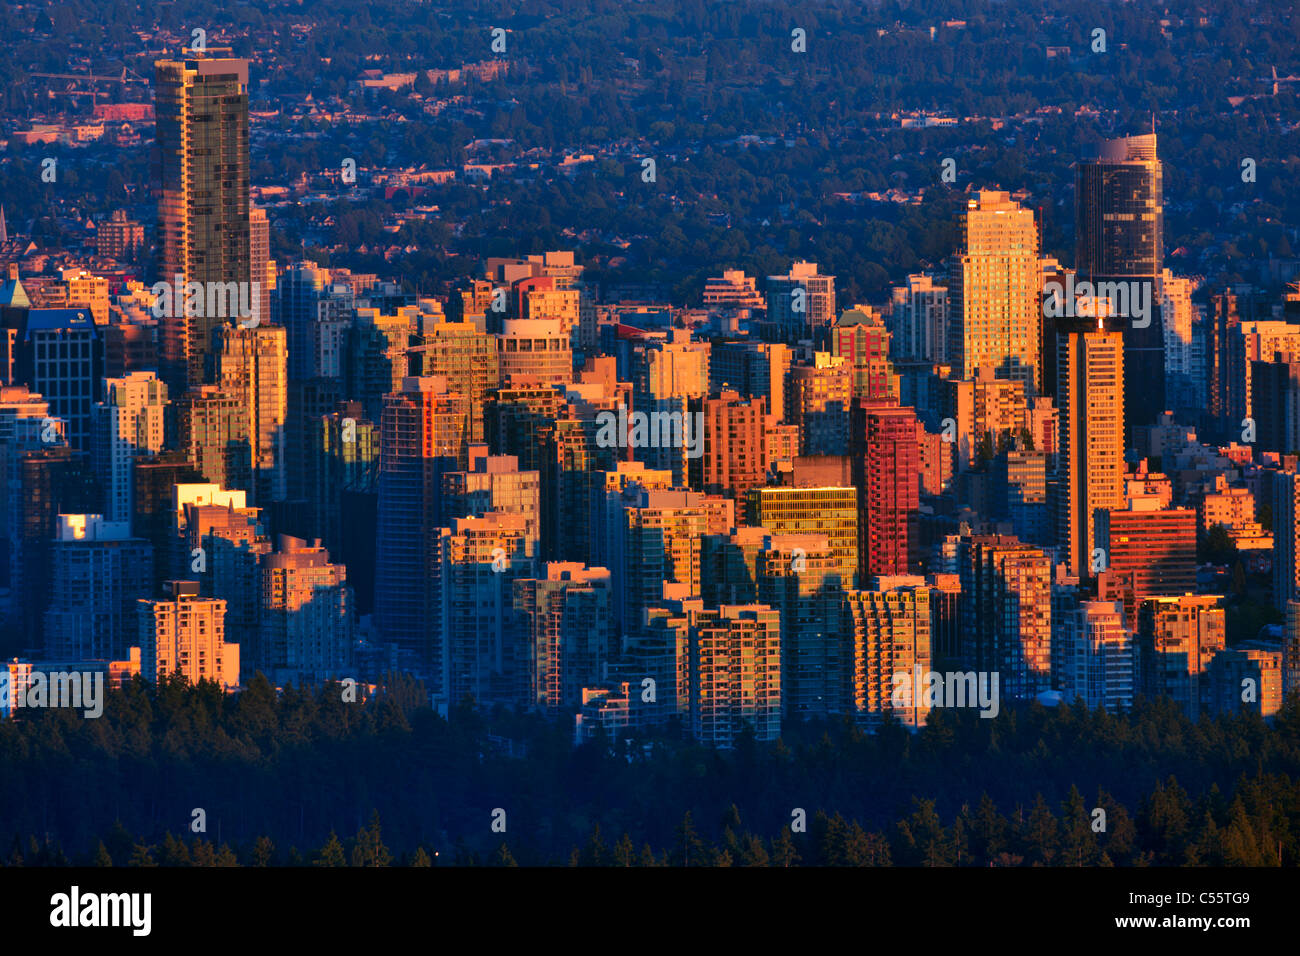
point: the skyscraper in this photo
(1179, 637)
(306, 623)
(422, 436)
(494, 483)
(1096, 655)
(886, 471)
(316, 314)
(996, 315)
(479, 561)
(564, 634)
(98, 572)
(214, 436)
(860, 338)
(827, 511)
(890, 628)
(733, 458)
(918, 320)
(1119, 236)
(261, 267)
(754, 369)
(252, 367)
(817, 399)
(186, 634)
(126, 425)
(1006, 612)
(735, 673)
(1090, 466)
(203, 200)
(801, 302)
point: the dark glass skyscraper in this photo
(203, 202)
(1119, 235)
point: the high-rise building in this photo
(566, 634)
(545, 297)
(1286, 540)
(996, 319)
(817, 401)
(831, 512)
(153, 515)
(1095, 655)
(307, 616)
(665, 374)
(98, 573)
(1090, 466)
(656, 661)
(61, 356)
(128, 424)
(1149, 551)
(40, 478)
(1006, 612)
(918, 320)
(252, 367)
(1275, 403)
(1184, 384)
(1251, 342)
(1291, 650)
(534, 351)
(342, 467)
(986, 412)
(494, 483)
(119, 237)
(801, 577)
(316, 314)
(733, 457)
(221, 547)
(422, 436)
(754, 369)
(1119, 237)
(1179, 636)
(186, 634)
(801, 302)
(886, 472)
(261, 267)
(1119, 211)
(467, 358)
(376, 352)
(203, 199)
(473, 645)
(215, 437)
(860, 338)
(1246, 678)
(734, 673)
(1228, 310)
(734, 290)
(890, 627)
(662, 534)
(1024, 495)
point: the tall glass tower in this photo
(203, 202)
(1119, 235)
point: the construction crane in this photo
(1275, 80)
(120, 78)
(90, 79)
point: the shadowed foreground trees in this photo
(283, 779)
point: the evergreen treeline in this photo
(282, 779)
